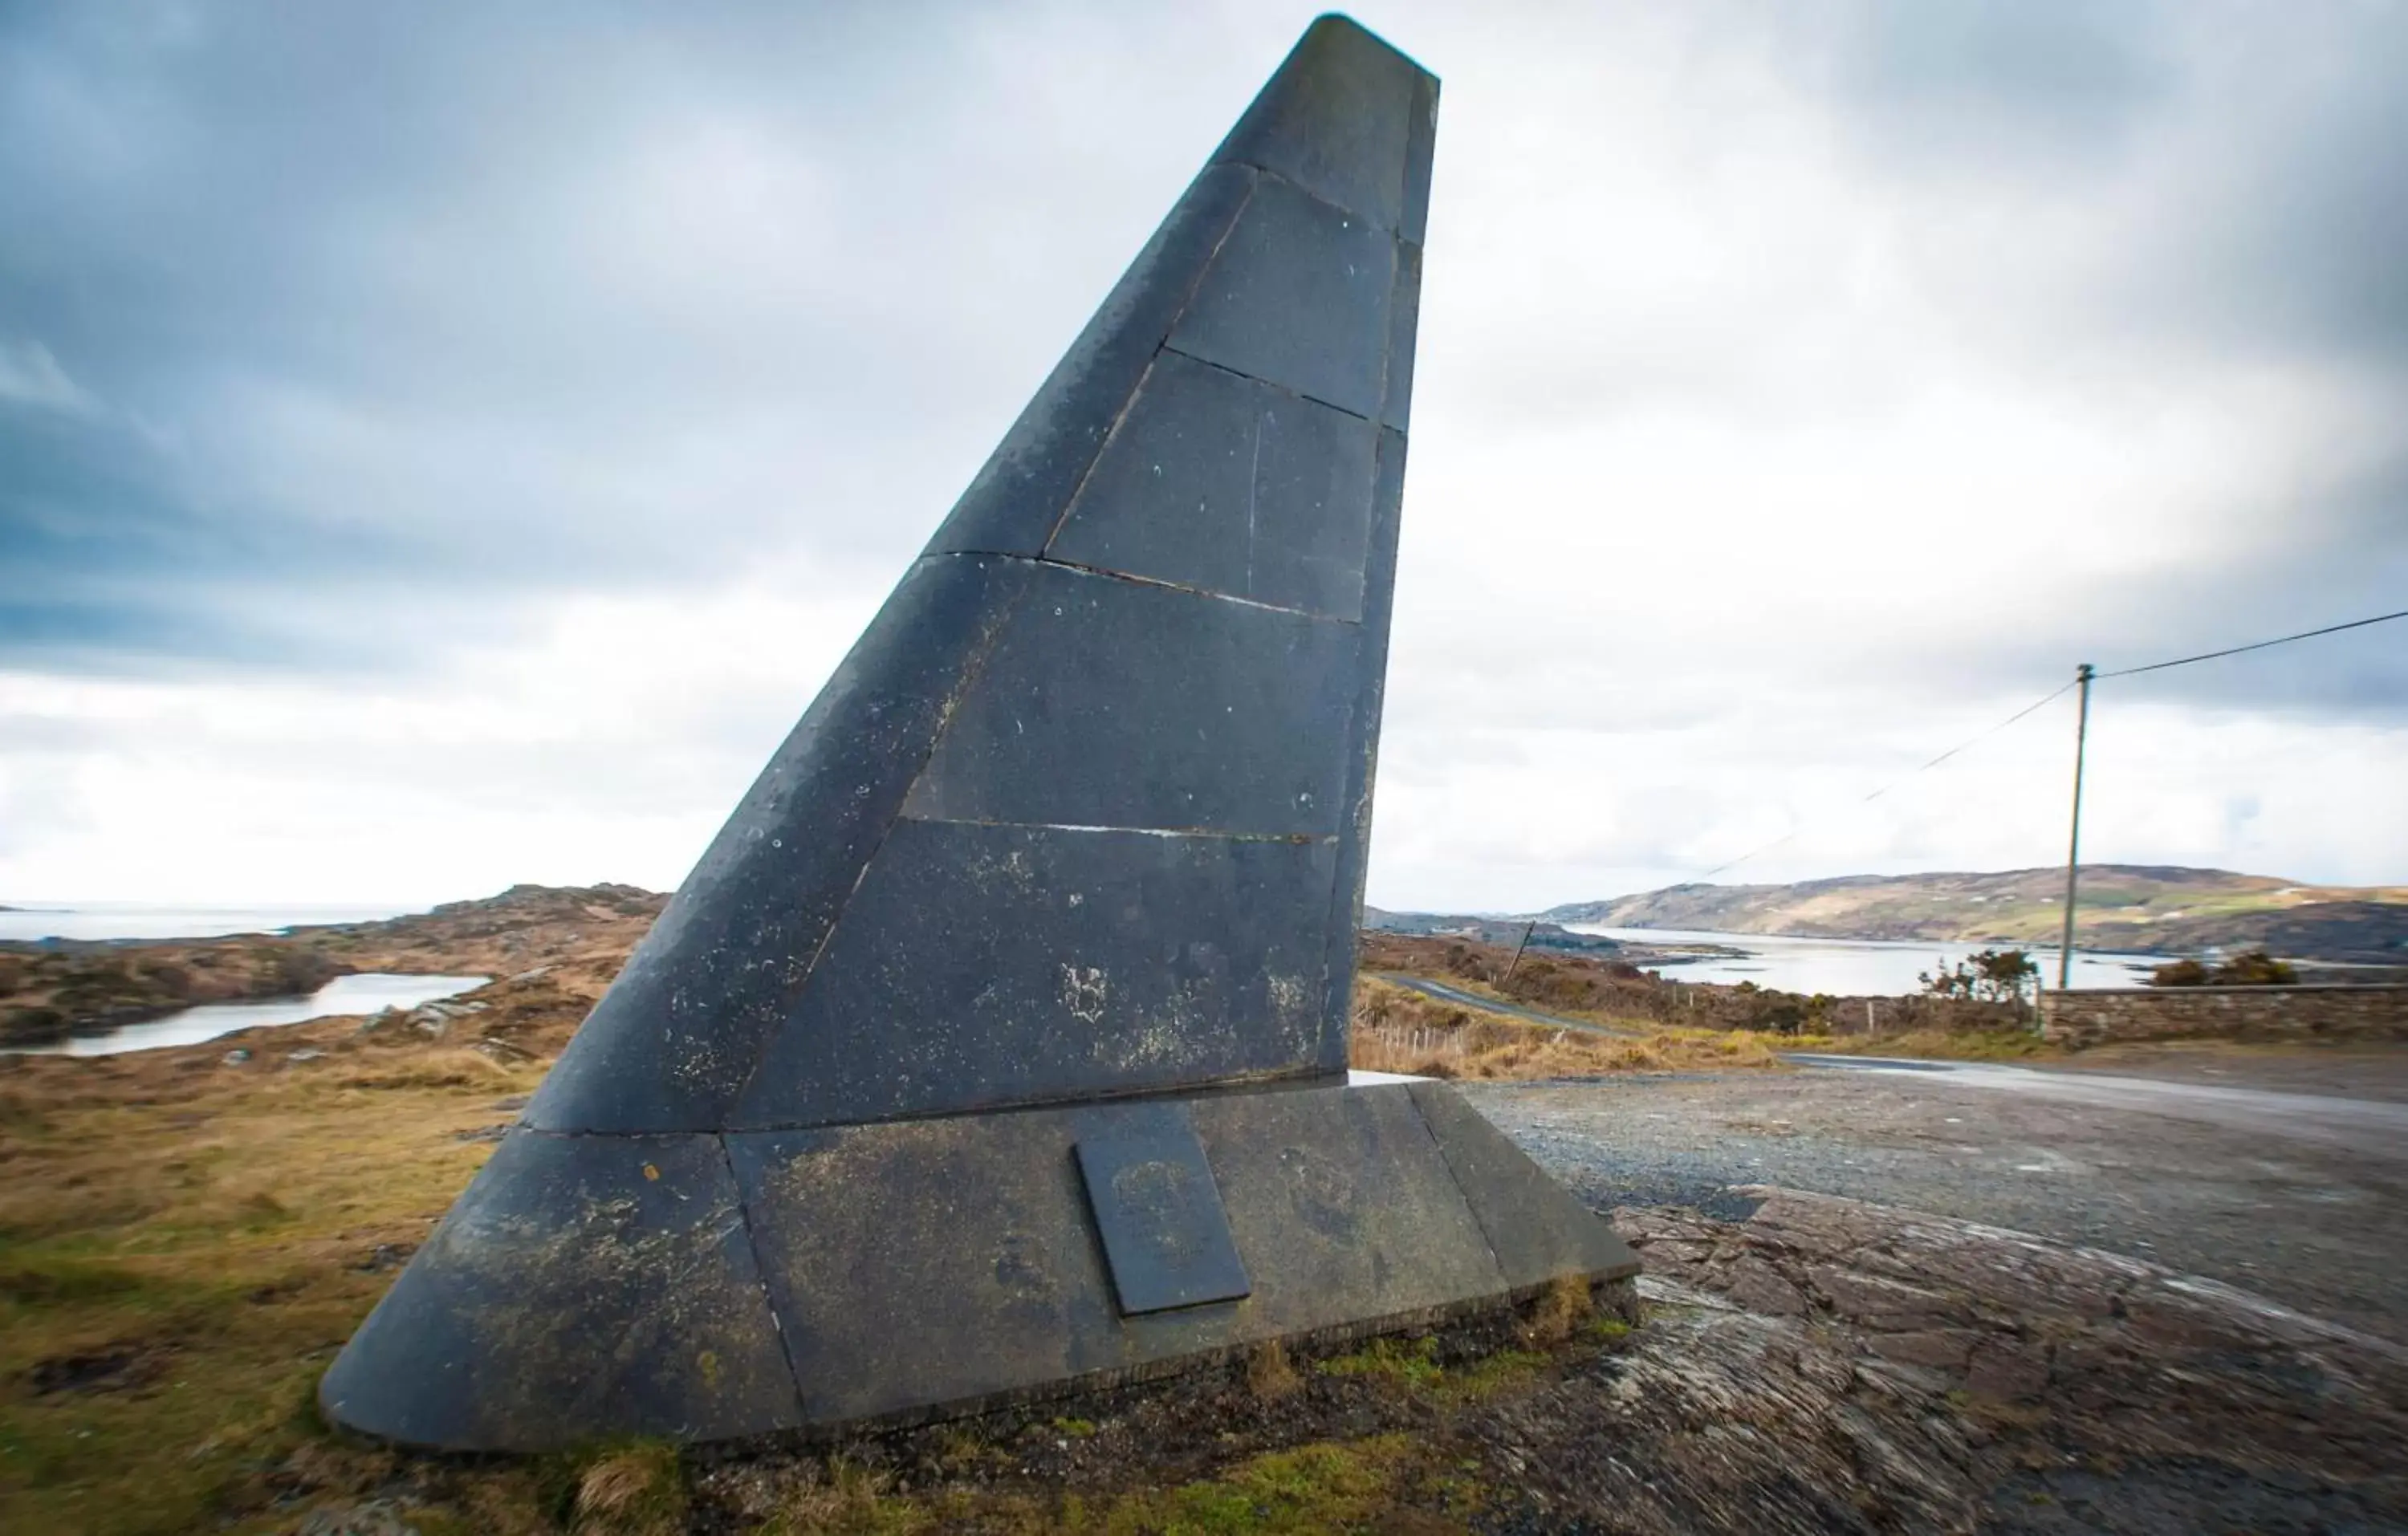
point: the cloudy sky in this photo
(444, 446)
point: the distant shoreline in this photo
(2122, 909)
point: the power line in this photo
(2235, 651)
(2125, 672)
(1971, 740)
(1884, 789)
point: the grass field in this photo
(174, 1274)
(186, 1241)
(188, 1236)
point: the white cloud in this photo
(31, 377)
(605, 743)
(1798, 393)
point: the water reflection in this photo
(1848, 968)
(361, 993)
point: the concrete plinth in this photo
(722, 1286)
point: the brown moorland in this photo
(188, 1235)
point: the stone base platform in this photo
(745, 1284)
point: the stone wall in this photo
(2232, 1013)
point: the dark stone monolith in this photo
(997, 1045)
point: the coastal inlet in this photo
(371, 993)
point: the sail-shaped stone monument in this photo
(997, 1045)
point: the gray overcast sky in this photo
(441, 446)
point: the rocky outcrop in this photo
(1832, 1365)
(527, 928)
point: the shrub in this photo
(1990, 975)
(31, 1027)
(2254, 969)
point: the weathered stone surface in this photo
(1230, 485)
(1121, 627)
(2192, 1322)
(1016, 502)
(1876, 1302)
(1936, 1349)
(1046, 911)
(1759, 1287)
(1115, 704)
(1352, 1196)
(1342, 123)
(927, 1262)
(2007, 1370)
(1299, 296)
(940, 1264)
(1532, 1224)
(985, 966)
(2212, 1408)
(1954, 1258)
(582, 1281)
(680, 1033)
(1342, 934)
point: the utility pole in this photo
(2073, 843)
(1518, 949)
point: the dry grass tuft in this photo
(851, 1499)
(1399, 1030)
(451, 1068)
(1559, 1313)
(326, 1467)
(639, 1491)
(1270, 1373)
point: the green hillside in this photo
(2148, 909)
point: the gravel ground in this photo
(2312, 1224)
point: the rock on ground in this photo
(1829, 1365)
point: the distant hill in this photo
(1487, 930)
(2145, 908)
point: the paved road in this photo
(2376, 1128)
(2294, 1196)
(2211, 1161)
